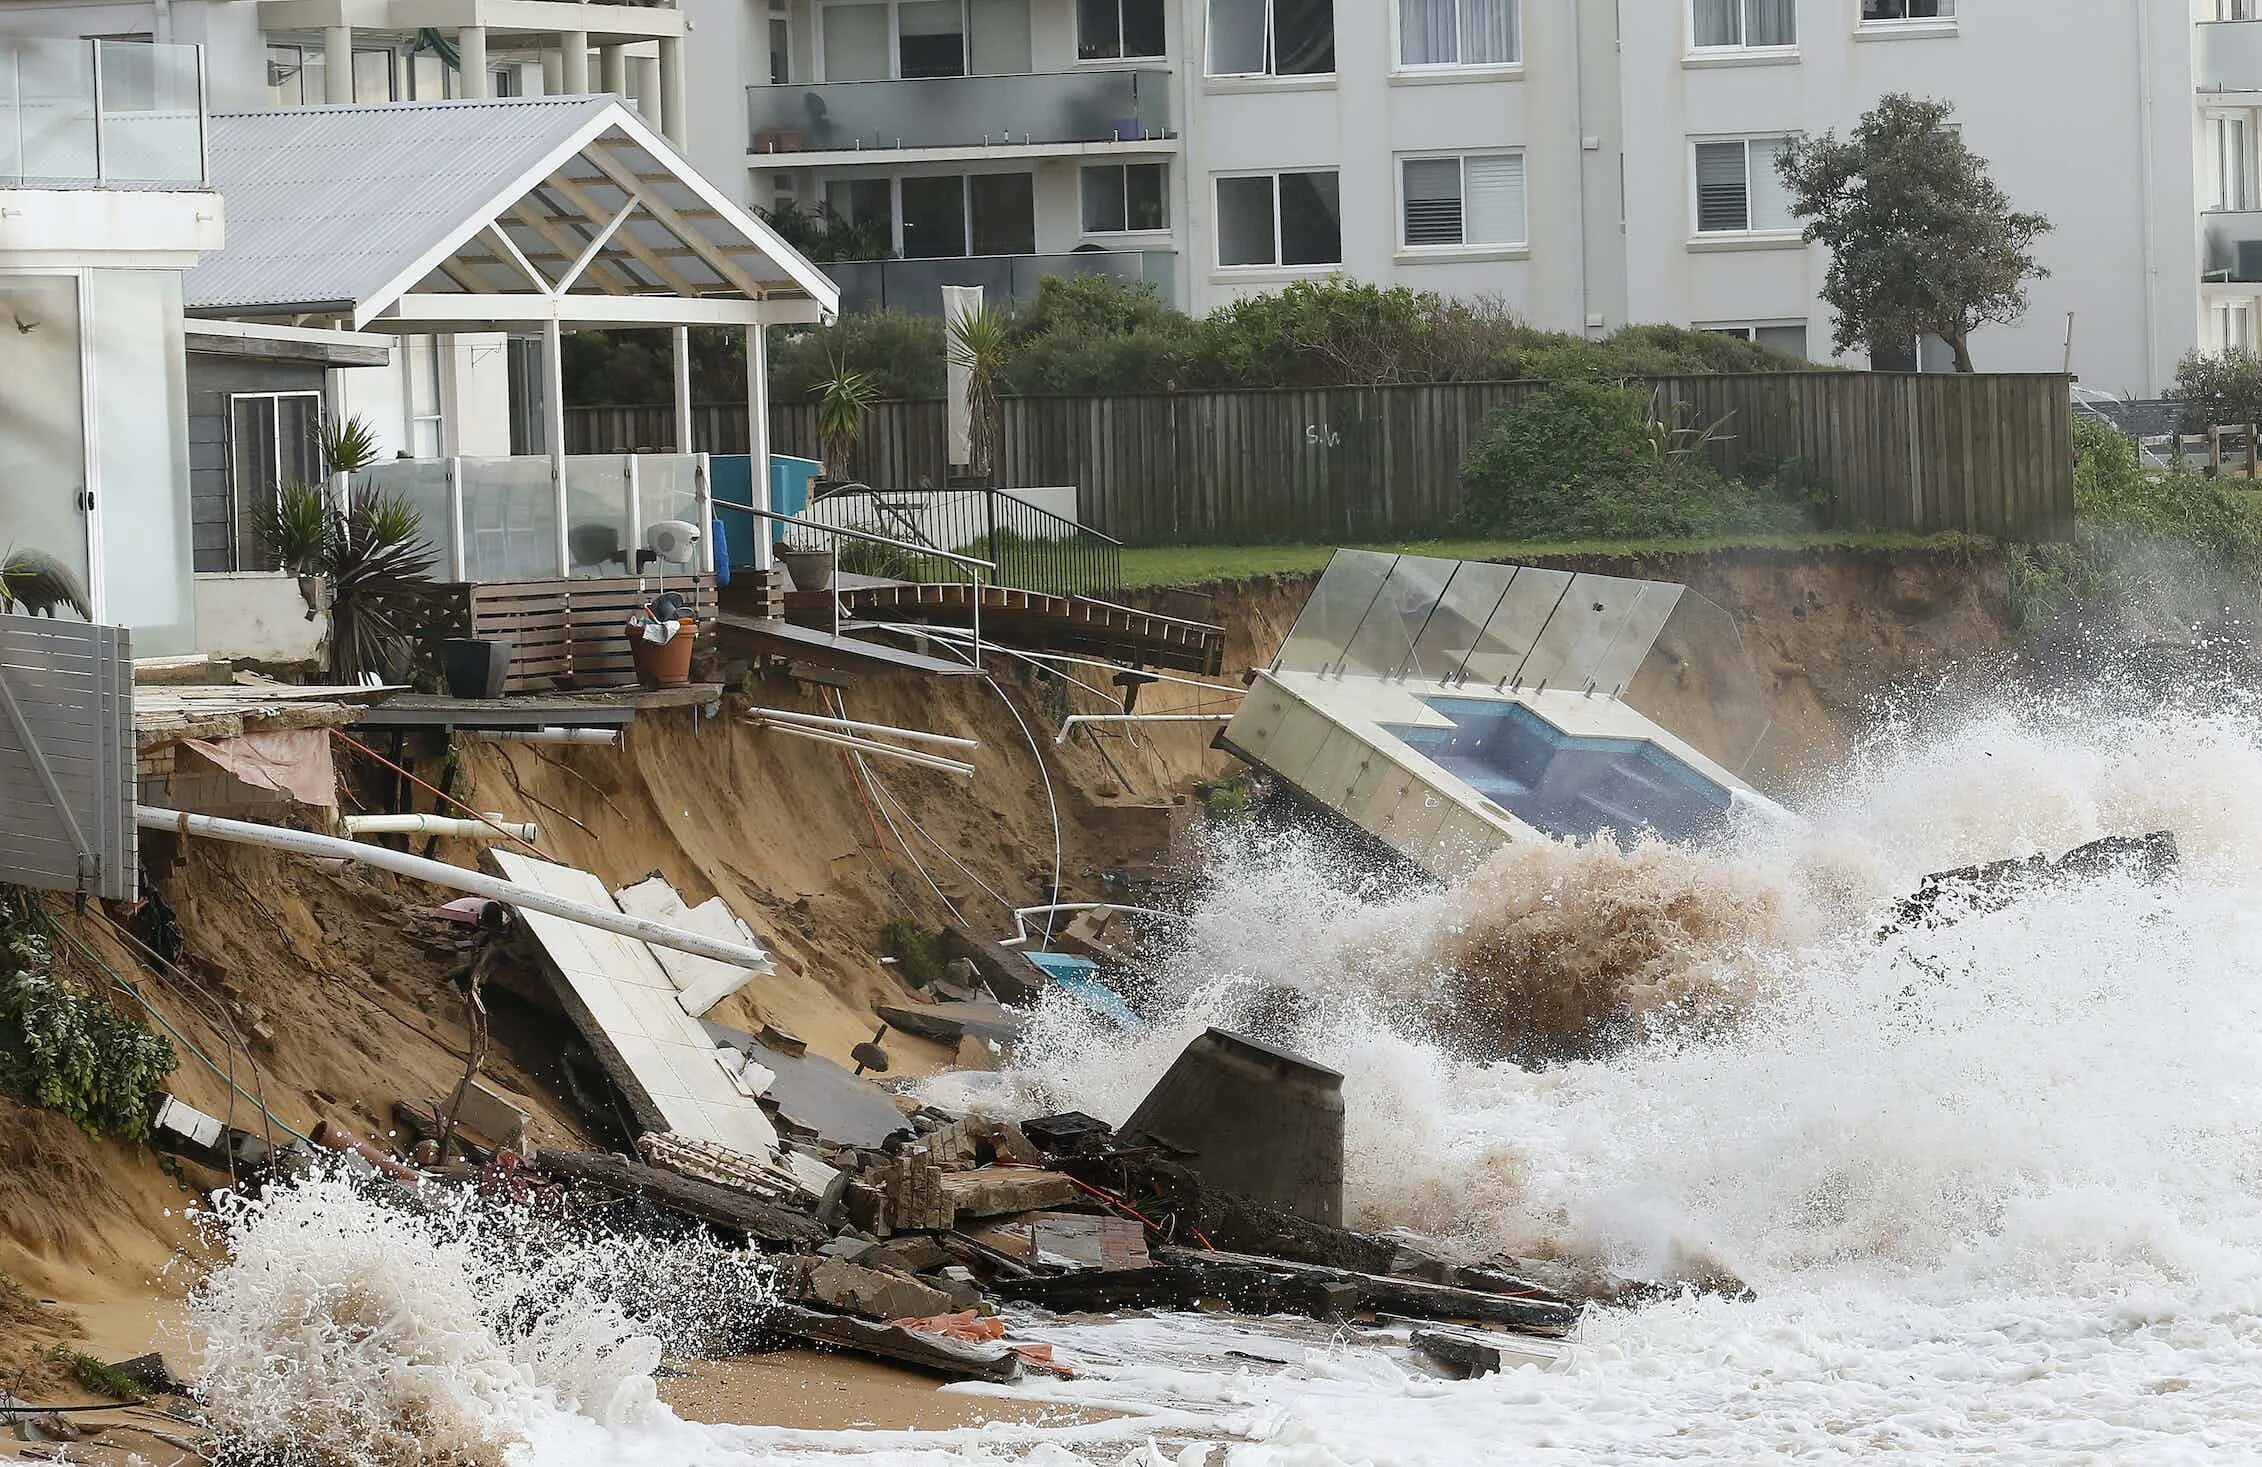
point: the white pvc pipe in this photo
(850, 725)
(494, 827)
(551, 735)
(439, 873)
(869, 746)
(1074, 719)
(1021, 915)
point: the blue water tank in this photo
(731, 475)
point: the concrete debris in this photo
(791, 1181)
(700, 983)
(1990, 887)
(1251, 1118)
(984, 1018)
(151, 1373)
(1059, 1134)
(808, 1095)
(854, 1288)
(953, 1359)
(901, 1194)
(1008, 974)
(1466, 1354)
(1070, 1240)
(996, 1191)
(490, 1116)
(719, 1207)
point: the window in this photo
(1272, 38)
(1894, 12)
(420, 368)
(780, 42)
(1279, 219)
(2234, 326)
(2231, 142)
(1742, 24)
(1120, 197)
(1788, 337)
(274, 438)
(296, 76)
(1475, 199)
(1107, 30)
(1460, 32)
(943, 216)
(2235, 9)
(505, 81)
(876, 40)
(930, 38)
(373, 77)
(1738, 190)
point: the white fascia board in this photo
(420, 314)
(264, 331)
(631, 23)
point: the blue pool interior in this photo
(1570, 785)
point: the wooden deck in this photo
(1032, 619)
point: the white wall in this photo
(257, 616)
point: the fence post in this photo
(456, 557)
(989, 501)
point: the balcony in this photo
(2230, 56)
(1060, 109)
(2233, 246)
(100, 114)
(916, 285)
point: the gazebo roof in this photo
(469, 215)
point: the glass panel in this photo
(298, 438)
(254, 475)
(856, 43)
(1303, 37)
(1653, 606)
(1721, 206)
(1311, 230)
(1143, 196)
(373, 76)
(42, 438)
(864, 201)
(1386, 634)
(284, 88)
(1004, 209)
(930, 38)
(423, 482)
(1428, 33)
(134, 332)
(1771, 22)
(1585, 626)
(1771, 197)
(1050, 107)
(1143, 28)
(667, 488)
(781, 46)
(1494, 208)
(54, 111)
(1336, 607)
(934, 217)
(152, 130)
(1237, 37)
(1453, 635)
(1244, 221)
(1791, 339)
(1099, 29)
(1001, 37)
(510, 519)
(1103, 199)
(428, 77)
(1719, 22)
(1515, 626)
(1489, 32)
(1433, 201)
(1698, 681)
(600, 533)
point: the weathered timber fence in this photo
(1987, 454)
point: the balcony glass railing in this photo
(115, 113)
(916, 285)
(961, 111)
(2230, 56)
(495, 520)
(2233, 245)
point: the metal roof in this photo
(343, 210)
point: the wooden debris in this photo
(946, 1357)
(701, 1201)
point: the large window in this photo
(2235, 9)
(1281, 219)
(1469, 200)
(2234, 326)
(1742, 24)
(1788, 337)
(420, 394)
(1896, 12)
(1272, 37)
(299, 76)
(274, 439)
(1738, 190)
(2231, 144)
(876, 40)
(1107, 30)
(943, 216)
(1460, 32)
(1121, 197)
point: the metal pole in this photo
(758, 436)
(680, 347)
(850, 725)
(553, 412)
(456, 557)
(871, 746)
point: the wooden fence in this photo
(1991, 455)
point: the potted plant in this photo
(843, 397)
(810, 564)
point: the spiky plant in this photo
(978, 342)
(38, 582)
(295, 529)
(380, 570)
(842, 400)
(350, 445)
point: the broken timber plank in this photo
(953, 1358)
(703, 1201)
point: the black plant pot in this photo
(474, 668)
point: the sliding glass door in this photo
(43, 483)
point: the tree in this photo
(1922, 241)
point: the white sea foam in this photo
(1993, 1180)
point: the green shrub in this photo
(69, 1052)
(2216, 389)
(902, 353)
(918, 953)
(93, 1375)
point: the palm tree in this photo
(978, 343)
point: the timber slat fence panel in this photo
(1989, 455)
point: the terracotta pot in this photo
(665, 664)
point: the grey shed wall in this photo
(211, 379)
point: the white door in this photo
(45, 507)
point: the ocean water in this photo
(1994, 1181)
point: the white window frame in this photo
(1400, 66)
(1271, 73)
(895, 38)
(435, 360)
(1521, 244)
(1749, 330)
(238, 505)
(1120, 59)
(1124, 166)
(1738, 48)
(1275, 267)
(1696, 204)
(2224, 314)
(1919, 24)
(965, 206)
(2223, 196)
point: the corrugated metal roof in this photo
(327, 204)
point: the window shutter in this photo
(1494, 205)
(1721, 205)
(1433, 201)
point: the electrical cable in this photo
(863, 773)
(879, 788)
(444, 798)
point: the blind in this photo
(1771, 22)
(1426, 33)
(1719, 23)
(1000, 45)
(1721, 204)
(1493, 207)
(856, 42)
(1433, 201)
(1488, 32)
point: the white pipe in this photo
(439, 873)
(945, 633)
(1021, 915)
(549, 735)
(494, 827)
(850, 725)
(1076, 718)
(870, 746)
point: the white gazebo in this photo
(506, 215)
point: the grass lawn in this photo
(1187, 565)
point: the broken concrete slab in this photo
(492, 1116)
(955, 1359)
(857, 1288)
(1007, 972)
(690, 1197)
(813, 1095)
(996, 1191)
(947, 1023)
(811, 1186)
(1467, 1353)
(1253, 1119)
(701, 983)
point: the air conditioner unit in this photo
(2249, 260)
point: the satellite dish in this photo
(672, 540)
